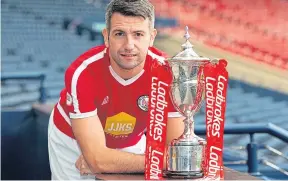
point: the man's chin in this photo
(128, 64)
(127, 67)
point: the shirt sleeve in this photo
(80, 98)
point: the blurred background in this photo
(40, 38)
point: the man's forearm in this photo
(117, 161)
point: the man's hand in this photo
(175, 128)
(82, 166)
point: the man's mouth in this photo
(128, 55)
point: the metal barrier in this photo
(252, 147)
(28, 76)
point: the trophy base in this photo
(183, 174)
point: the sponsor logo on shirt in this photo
(120, 125)
(105, 101)
(143, 102)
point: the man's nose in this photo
(129, 43)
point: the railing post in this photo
(252, 162)
(42, 97)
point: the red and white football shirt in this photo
(92, 87)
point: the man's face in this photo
(128, 40)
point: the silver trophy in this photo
(185, 155)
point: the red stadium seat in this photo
(256, 29)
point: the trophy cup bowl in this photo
(185, 155)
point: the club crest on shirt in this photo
(68, 99)
(143, 102)
(120, 125)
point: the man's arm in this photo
(100, 159)
(90, 136)
(175, 128)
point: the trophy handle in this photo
(169, 66)
(199, 92)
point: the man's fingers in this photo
(84, 171)
(79, 162)
(84, 163)
(82, 166)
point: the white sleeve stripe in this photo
(76, 75)
(63, 114)
(174, 115)
(83, 115)
(155, 56)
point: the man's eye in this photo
(139, 34)
(119, 34)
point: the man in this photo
(100, 119)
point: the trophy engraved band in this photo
(186, 155)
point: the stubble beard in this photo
(130, 65)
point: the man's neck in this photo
(124, 73)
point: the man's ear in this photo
(153, 36)
(105, 34)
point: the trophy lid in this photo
(188, 54)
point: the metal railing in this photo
(252, 147)
(28, 76)
(274, 151)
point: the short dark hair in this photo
(141, 8)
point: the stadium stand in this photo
(36, 42)
(247, 28)
(33, 44)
